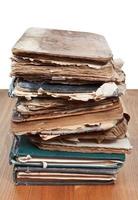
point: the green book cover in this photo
(23, 147)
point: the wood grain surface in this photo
(126, 187)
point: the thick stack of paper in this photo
(68, 120)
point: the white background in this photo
(117, 20)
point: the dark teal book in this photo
(22, 147)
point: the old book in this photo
(68, 74)
(52, 43)
(23, 168)
(117, 146)
(24, 153)
(95, 121)
(29, 89)
(65, 177)
(117, 132)
(50, 108)
(60, 56)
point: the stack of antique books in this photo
(68, 123)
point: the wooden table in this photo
(126, 187)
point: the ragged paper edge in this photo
(106, 90)
(72, 129)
